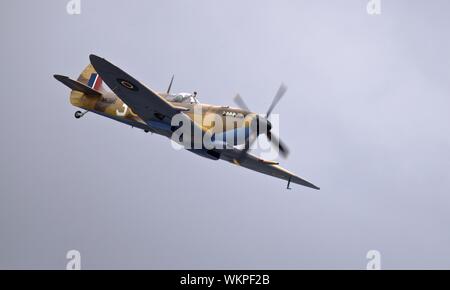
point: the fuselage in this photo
(224, 122)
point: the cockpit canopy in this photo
(186, 98)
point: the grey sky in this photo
(366, 119)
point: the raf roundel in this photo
(127, 84)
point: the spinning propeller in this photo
(263, 122)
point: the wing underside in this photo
(263, 166)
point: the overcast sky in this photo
(366, 118)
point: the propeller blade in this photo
(170, 85)
(281, 91)
(276, 141)
(240, 102)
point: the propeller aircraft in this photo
(130, 102)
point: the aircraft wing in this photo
(263, 166)
(147, 104)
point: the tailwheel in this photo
(79, 114)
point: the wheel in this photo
(146, 131)
(78, 114)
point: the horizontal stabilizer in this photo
(77, 86)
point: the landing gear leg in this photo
(79, 114)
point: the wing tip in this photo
(310, 185)
(96, 60)
(60, 77)
(94, 57)
(303, 182)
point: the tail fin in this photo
(90, 78)
(86, 90)
(78, 86)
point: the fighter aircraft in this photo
(129, 101)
